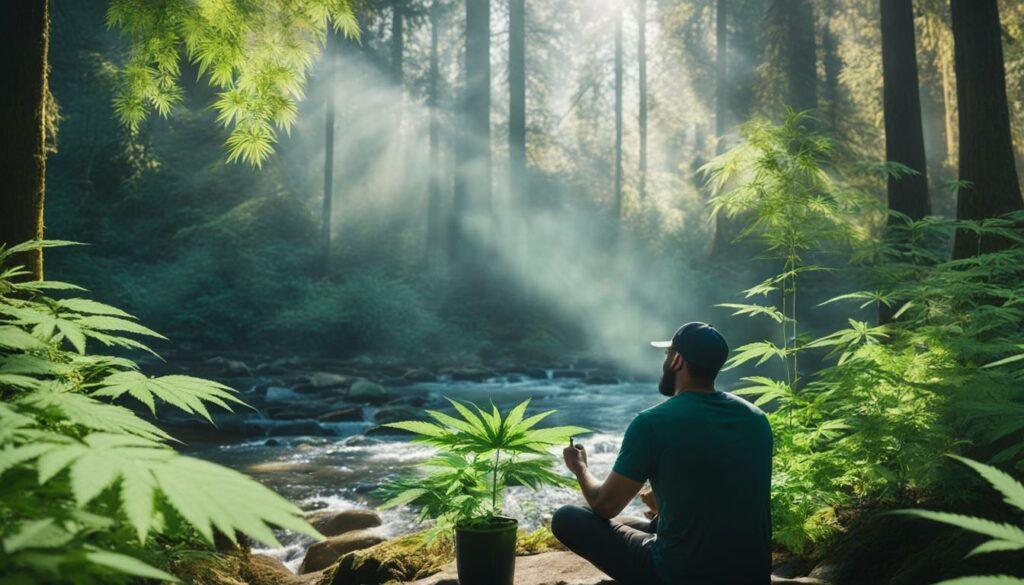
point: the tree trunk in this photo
(986, 147)
(517, 100)
(721, 70)
(726, 229)
(331, 62)
(434, 184)
(642, 59)
(792, 23)
(617, 219)
(472, 197)
(24, 105)
(904, 132)
(833, 65)
(397, 49)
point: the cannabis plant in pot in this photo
(462, 487)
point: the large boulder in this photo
(402, 559)
(338, 523)
(551, 568)
(325, 553)
(239, 568)
(367, 392)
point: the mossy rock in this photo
(368, 392)
(237, 568)
(402, 559)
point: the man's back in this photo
(708, 457)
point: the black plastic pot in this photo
(486, 554)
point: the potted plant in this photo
(462, 488)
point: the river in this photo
(333, 471)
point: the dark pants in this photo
(620, 547)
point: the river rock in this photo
(389, 414)
(551, 568)
(385, 431)
(239, 569)
(401, 559)
(346, 414)
(326, 552)
(361, 441)
(419, 376)
(415, 400)
(470, 374)
(323, 380)
(569, 374)
(338, 523)
(367, 392)
(223, 367)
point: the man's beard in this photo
(667, 386)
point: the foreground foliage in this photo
(465, 483)
(91, 492)
(1002, 537)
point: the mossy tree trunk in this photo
(24, 104)
(986, 146)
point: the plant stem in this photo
(494, 484)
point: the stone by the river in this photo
(367, 392)
(389, 414)
(338, 523)
(551, 568)
(419, 376)
(219, 366)
(346, 414)
(327, 552)
(327, 380)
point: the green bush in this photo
(91, 492)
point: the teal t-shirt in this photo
(709, 458)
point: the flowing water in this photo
(326, 473)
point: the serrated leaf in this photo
(44, 533)
(128, 565)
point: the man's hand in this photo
(575, 458)
(647, 497)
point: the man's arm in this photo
(608, 498)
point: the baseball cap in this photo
(700, 344)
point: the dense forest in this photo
(317, 218)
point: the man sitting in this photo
(708, 456)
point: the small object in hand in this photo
(570, 442)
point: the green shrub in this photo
(91, 492)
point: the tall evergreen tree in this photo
(792, 47)
(472, 195)
(641, 19)
(331, 72)
(721, 69)
(617, 219)
(26, 108)
(517, 99)
(434, 132)
(904, 133)
(986, 148)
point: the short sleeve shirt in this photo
(708, 458)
